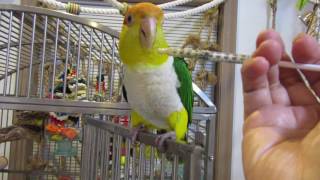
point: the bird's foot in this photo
(160, 140)
(135, 133)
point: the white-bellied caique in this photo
(158, 87)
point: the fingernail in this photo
(268, 35)
(258, 66)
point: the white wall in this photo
(253, 18)
(10, 1)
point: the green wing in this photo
(185, 90)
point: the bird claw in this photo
(160, 140)
(135, 133)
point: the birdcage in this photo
(62, 114)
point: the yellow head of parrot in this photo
(142, 35)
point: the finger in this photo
(253, 72)
(303, 51)
(272, 47)
(267, 35)
(307, 50)
(271, 50)
(255, 84)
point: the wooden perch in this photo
(14, 133)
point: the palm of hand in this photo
(281, 130)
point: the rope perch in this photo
(59, 5)
(173, 4)
(193, 11)
(122, 8)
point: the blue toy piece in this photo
(62, 76)
(65, 148)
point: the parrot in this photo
(158, 87)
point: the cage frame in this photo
(33, 104)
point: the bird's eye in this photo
(129, 19)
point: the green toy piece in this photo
(38, 122)
(56, 137)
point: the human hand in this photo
(281, 129)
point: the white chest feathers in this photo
(153, 92)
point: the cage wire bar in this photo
(48, 36)
(96, 129)
(54, 62)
